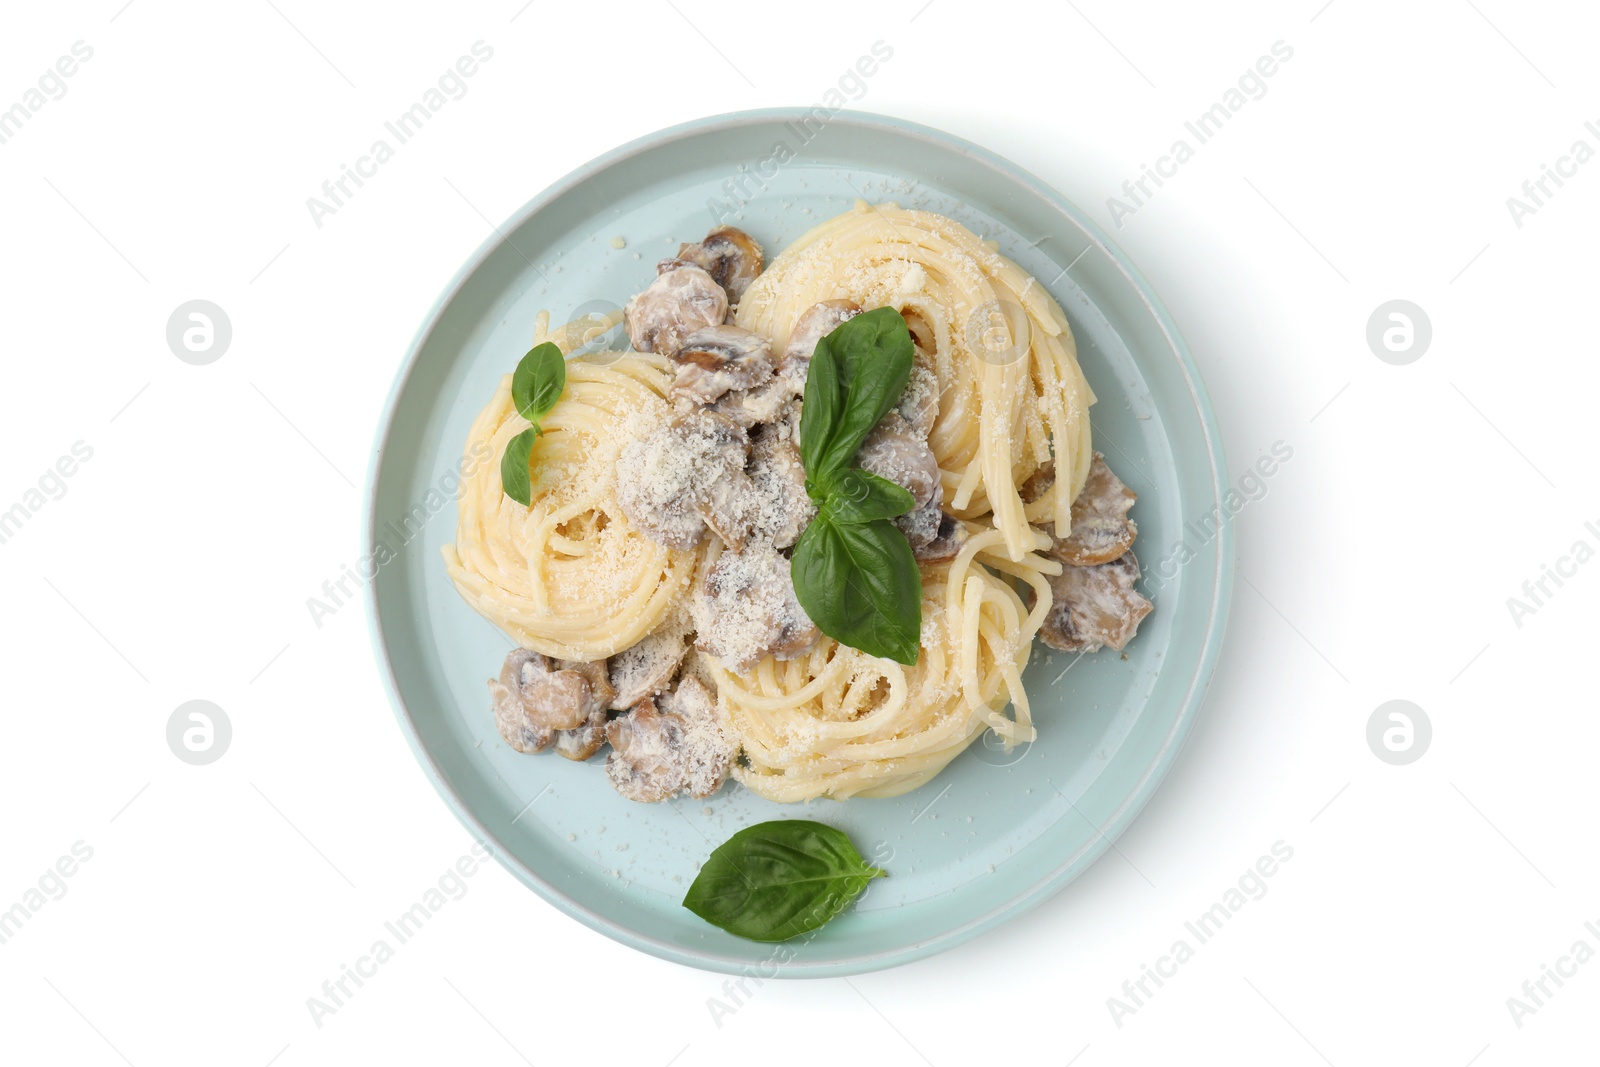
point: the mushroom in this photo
(945, 543)
(581, 743)
(646, 761)
(894, 451)
(534, 702)
(678, 743)
(921, 331)
(934, 536)
(1039, 482)
(646, 668)
(708, 745)
(675, 305)
(763, 404)
(510, 714)
(919, 403)
(778, 480)
(920, 524)
(668, 481)
(749, 609)
(593, 672)
(1101, 530)
(728, 506)
(716, 359)
(729, 255)
(813, 325)
(1095, 607)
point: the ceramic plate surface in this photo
(997, 832)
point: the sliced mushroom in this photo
(647, 759)
(678, 742)
(946, 544)
(1038, 483)
(728, 254)
(646, 668)
(750, 609)
(765, 403)
(1101, 529)
(922, 334)
(919, 404)
(920, 524)
(778, 479)
(1095, 607)
(593, 672)
(716, 359)
(534, 701)
(510, 714)
(675, 305)
(708, 744)
(671, 479)
(729, 508)
(894, 451)
(813, 325)
(581, 743)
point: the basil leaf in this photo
(860, 584)
(856, 495)
(538, 381)
(536, 385)
(777, 880)
(514, 476)
(864, 365)
(820, 409)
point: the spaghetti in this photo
(573, 578)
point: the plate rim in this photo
(1071, 866)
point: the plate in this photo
(996, 833)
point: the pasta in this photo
(840, 723)
(569, 577)
(573, 577)
(1007, 365)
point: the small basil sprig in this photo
(535, 387)
(853, 569)
(778, 880)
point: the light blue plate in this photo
(996, 833)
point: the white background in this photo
(177, 564)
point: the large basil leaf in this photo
(820, 411)
(777, 880)
(860, 584)
(856, 495)
(537, 383)
(864, 365)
